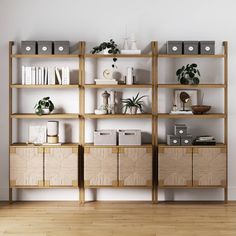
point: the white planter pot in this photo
(46, 111)
(133, 110)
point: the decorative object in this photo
(200, 109)
(107, 78)
(207, 47)
(204, 140)
(105, 97)
(185, 108)
(133, 46)
(133, 104)
(188, 74)
(173, 140)
(186, 140)
(28, 47)
(191, 47)
(61, 47)
(100, 111)
(52, 132)
(180, 129)
(130, 76)
(44, 106)
(112, 102)
(105, 137)
(174, 47)
(37, 134)
(109, 48)
(45, 47)
(130, 137)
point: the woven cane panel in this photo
(175, 167)
(61, 166)
(26, 166)
(209, 166)
(135, 167)
(100, 167)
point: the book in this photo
(181, 112)
(129, 51)
(45, 75)
(33, 75)
(58, 76)
(106, 81)
(23, 75)
(28, 75)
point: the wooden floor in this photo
(105, 219)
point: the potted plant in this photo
(107, 48)
(133, 104)
(44, 106)
(188, 74)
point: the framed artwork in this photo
(37, 134)
(189, 96)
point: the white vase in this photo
(133, 110)
(45, 111)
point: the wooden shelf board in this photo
(190, 56)
(54, 86)
(45, 55)
(118, 55)
(191, 187)
(218, 145)
(122, 187)
(116, 116)
(117, 146)
(117, 86)
(51, 146)
(182, 86)
(51, 116)
(187, 116)
(44, 187)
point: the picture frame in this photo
(37, 134)
(193, 94)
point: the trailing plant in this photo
(188, 74)
(133, 102)
(112, 48)
(42, 104)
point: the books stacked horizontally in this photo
(106, 81)
(34, 75)
(204, 140)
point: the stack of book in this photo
(34, 75)
(204, 140)
(106, 81)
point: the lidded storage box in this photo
(44, 47)
(191, 47)
(105, 137)
(173, 140)
(186, 140)
(61, 47)
(207, 47)
(28, 47)
(174, 47)
(180, 129)
(130, 137)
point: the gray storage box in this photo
(191, 47)
(174, 47)
(186, 140)
(173, 140)
(61, 47)
(180, 129)
(28, 47)
(44, 47)
(130, 137)
(207, 47)
(105, 137)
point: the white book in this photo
(45, 75)
(33, 75)
(37, 75)
(58, 76)
(181, 112)
(28, 75)
(40, 75)
(51, 76)
(63, 75)
(23, 75)
(106, 81)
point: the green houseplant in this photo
(133, 104)
(109, 48)
(44, 106)
(188, 74)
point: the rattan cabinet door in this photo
(174, 166)
(61, 166)
(100, 166)
(209, 166)
(26, 166)
(135, 166)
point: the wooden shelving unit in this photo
(117, 86)
(44, 56)
(118, 55)
(191, 56)
(50, 86)
(199, 86)
(183, 116)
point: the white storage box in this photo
(105, 137)
(130, 137)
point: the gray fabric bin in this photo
(130, 137)
(173, 140)
(174, 47)
(61, 47)
(186, 140)
(105, 137)
(45, 47)
(28, 47)
(180, 129)
(207, 47)
(191, 47)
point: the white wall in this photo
(96, 21)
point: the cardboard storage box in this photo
(105, 137)
(45, 47)
(173, 140)
(207, 47)
(130, 137)
(61, 47)
(191, 47)
(174, 47)
(28, 47)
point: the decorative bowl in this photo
(200, 109)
